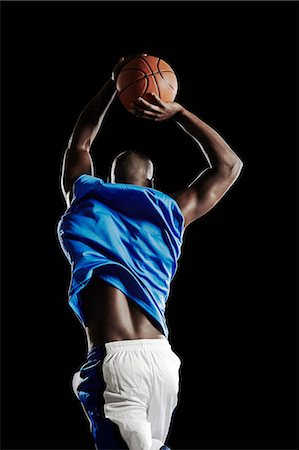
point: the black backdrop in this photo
(232, 309)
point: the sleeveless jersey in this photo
(128, 235)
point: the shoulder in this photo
(170, 207)
(84, 184)
(184, 200)
(88, 179)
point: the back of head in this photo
(132, 167)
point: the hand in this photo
(156, 110)
(120, 64)
(117, 68)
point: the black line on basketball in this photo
(152, 73)
(157, 84)
(158, 64)
(147, 65)
(137, 79)
(146, 86)
(135, 68)
(167, 82)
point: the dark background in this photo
(232, 309)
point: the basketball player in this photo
(123, 239)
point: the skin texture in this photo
(110, 315)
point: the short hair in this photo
(132, 167)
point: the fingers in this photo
(141, 111)
(149, 115)
(142, 103)
(117, 68)
(157, 99)
(120, 61)
(143, 114)
(145, 110)
(125, 59)
(129, 57)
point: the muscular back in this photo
(111, 316)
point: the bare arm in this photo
(77, 159)
(211, 184)
(224, 165)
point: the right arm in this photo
(224, 165)
(210, 185)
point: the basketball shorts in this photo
(129, 391)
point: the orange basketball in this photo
(145, 74)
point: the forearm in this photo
(91, 118)
(217, 151)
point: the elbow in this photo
(231, 169)
(237, 166)
(235, 170)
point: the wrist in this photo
(111, 82)
(110, 86)
(181, 112)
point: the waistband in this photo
(137, 344)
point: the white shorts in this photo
(142, 383)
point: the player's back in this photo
(130, 237)
(111, 316)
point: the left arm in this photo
(77, 159)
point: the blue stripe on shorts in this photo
(90, 391)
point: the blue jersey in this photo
(128, 235)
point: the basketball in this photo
(145, 74)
